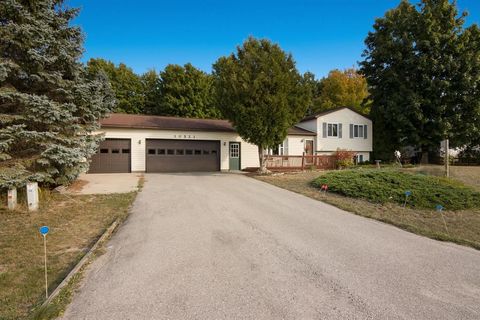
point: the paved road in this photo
(219, 246)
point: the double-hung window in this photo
(332, 130)
(359, 158)
(358, 131)
(280, 150)
(283, 148)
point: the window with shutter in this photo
(358, 131)
(333, 129)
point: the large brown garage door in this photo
(182, 155)
(113, 156)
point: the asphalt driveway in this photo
(105, 183)
(221, 246)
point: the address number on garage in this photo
(184, 136)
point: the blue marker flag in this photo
(439, 207)
(408, 193)
(44, 230)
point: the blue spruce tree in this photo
(48, 105)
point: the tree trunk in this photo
(424, 159)
(262, 169)
(446, 159)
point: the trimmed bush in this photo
(344, 158)
(381, 186)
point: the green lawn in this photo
(76, 222)
(460, 226)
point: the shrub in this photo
(344, 158)
(381, 186)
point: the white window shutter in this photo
(365, 132)
(324, 129)
(351, 131)
(339, 130)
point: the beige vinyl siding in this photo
(366, 155)
(296, 144)
(345, 117)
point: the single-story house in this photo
(144, 143)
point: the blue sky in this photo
(146, 34)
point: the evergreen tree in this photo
(261, 92)
(186, 91)
(49, 107)
(127, 85)
(422, 69)
(152, 95)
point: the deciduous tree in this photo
(127, 85)
(261, 92)
(422, 69)
(342, 88)
(186, 91)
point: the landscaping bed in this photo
(75, 222)
(388, 185)
(460, 226)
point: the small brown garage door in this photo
(113, 156)
(182, 155)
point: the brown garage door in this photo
(182, 155)
(113, 156)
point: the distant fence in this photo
(281, 163)
(456, 161)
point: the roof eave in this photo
(118, 126)
(323, 113)
(302, 134)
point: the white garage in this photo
(171, 144)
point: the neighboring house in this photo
(342, 128)
(141, 143)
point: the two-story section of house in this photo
(340, 128)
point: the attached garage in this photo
(173, 144)
(169, 155)
(113, 156)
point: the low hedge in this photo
(381, 186)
